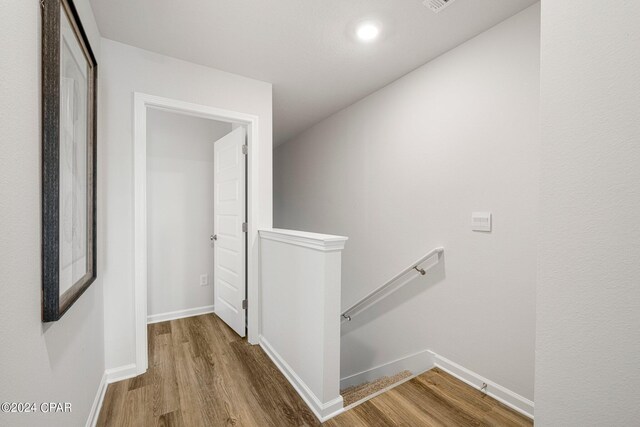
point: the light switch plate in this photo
(481, 221)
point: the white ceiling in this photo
(306, 48)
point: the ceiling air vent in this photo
(437, 5)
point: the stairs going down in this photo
(362, 392)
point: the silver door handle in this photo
(214, 237)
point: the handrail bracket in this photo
(420, 270)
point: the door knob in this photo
(214, 237)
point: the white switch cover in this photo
(481, 221)
(204, 279)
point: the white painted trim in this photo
(501, 394)
(140, 231)
(415, 363)
(180, 314)
(323, 411)
(141, 103)
(108, 377)
(121, 373)
(94, 413)
(320, 242)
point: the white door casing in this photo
(230, 243)
(255, 214)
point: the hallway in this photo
(202, 374)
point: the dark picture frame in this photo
(69, 134)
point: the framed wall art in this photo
(69, 77)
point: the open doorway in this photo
(196, 249)
(193, 215)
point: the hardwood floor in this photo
(434, 398)
(202, 374)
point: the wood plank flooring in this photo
(434, 398)
(202, 374)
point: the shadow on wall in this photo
(64, 338)
(410, 290)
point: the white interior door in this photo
(229, 237)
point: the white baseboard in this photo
(109, 376)
(172, 315)
(121, 373)
(97, 402)
(415, 363)
(501, 394)
(323, 411)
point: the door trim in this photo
(142, 102)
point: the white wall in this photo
(180, 210)
(400, 172)
(127, 70)
(300, 297)
(61, 361)
(588, 300)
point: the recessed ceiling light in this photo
(368, 31)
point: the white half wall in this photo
(61, 361)
(127, 70)
(400, 173)
(180, 210)
(300, 298)
(588, 299)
